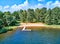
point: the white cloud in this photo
(40, 0)
(37, 6)
(15, 7)
(25, 6)
(57, 3)
(20, 6)
(48, 4)
(0, 7)
(6, 7)
(26, 3)
(51, 5)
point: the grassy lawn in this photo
(53, 26)
(11, 27)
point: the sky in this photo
(14, 5)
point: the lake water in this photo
(44, 36)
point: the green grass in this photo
(10, 27)
(53, 26)
(6, 29)
(47, 26)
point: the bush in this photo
(1, 23)
(14, 23)
(3, 30)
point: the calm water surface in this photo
(43, 36)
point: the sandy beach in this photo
(37, 26)
(31, 25)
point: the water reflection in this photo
(44, 36)
(5, 35)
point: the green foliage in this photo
(50, 16)
(3, 30)
(22, 15)
(16, 15)
(7, 19)
(1, 23)
(1, 15)
(55, 15)
(37, 14)
(42, 14)
(30, 15)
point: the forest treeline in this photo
(50, 16)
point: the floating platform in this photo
(27, 30)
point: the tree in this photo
(7, 13)
(24, 13)
(55, 15)
(1, 23)
(1, 15)
(48, 16)
(42, 14)
(21, 15)
(37, 13)
(30, 15)
(15, 13)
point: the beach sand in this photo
(31, 25)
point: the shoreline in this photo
(33, 26)
(37, 26)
